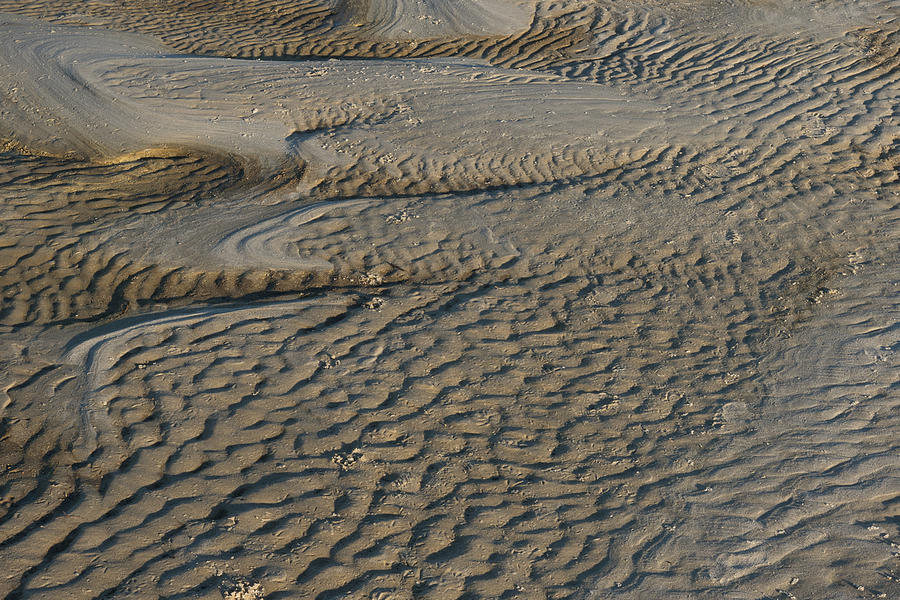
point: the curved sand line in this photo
(268, 242)
(99, 349)
(91, 93)
(417, 19)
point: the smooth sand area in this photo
(417, 19)
(437, 299)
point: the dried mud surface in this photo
(498, 300)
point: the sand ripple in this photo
(544, 300)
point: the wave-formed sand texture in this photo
(450, 124)
(98, 352)
(344, 348)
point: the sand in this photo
(427, 299)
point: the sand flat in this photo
(489, 299)
(107, 93)
(423, 19)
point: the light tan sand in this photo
(423, 19)
(553, 300)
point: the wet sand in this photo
(501, 299)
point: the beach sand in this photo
(432, 299)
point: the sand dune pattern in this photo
(478, 299)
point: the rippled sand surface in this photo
(430, 299)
